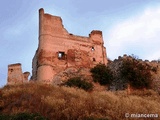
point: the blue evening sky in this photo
(128, 26)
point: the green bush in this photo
(77, 82)
(136, 73)
(102, 74)
(22, 116)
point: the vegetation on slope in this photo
(78, 82)
(64, 103)
(102, 74)
(137, 73)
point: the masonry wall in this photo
(58, 49)
(15, 74)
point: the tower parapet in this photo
(41, 14)
(96, 36)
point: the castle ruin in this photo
(62, 54)
(59, 50)
(15, 75)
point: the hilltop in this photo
(65, 103)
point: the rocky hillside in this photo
(119, 84)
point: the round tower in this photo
(44, 67)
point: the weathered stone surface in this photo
(83, 73)
(15, 75)
(59, 50)
(26, 75)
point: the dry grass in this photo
(62, 103)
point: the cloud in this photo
(139, 35)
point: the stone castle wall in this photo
(15, 75)
(59, 50)
(120, 84)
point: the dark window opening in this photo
(11, 70)
(61, 55)
(94, 59)
(93, 49)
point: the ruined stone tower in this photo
(59, 50)
(15, 75)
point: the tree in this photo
(136, 73)
(102, 74)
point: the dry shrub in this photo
(63, 103)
